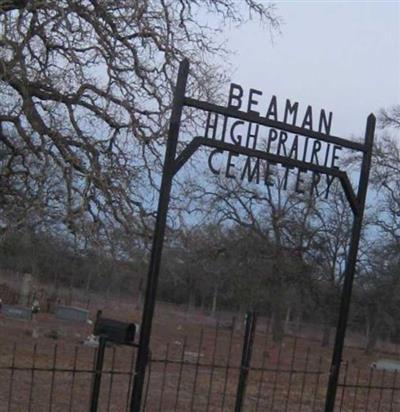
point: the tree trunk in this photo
(214, 300)
(372, 334)
(288, 317)
(297, 322)
(139, 300)
(88, 281)
(191, 300)
(326, 334)
(278, 330)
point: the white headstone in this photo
(387, 364)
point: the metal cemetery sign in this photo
(265, 134)
(272, 140)
(16, 312)
(71, 313)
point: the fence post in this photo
(97, 374)
(246, 358)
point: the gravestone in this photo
(72, 313)
(387, 365)
(16, 312)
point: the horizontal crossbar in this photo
(254, 118)
(229, 147)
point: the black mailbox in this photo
(115, 330)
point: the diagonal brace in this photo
(185, 155)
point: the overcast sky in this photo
(337, 55)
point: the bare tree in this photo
(86, 88)
(378, 287)
(328, 253)
(276, 217)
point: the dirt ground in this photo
(45, 365)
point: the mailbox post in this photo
(97, 374)
(108, 330)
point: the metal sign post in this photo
(248, 341)
(285, 156)
(158, 239)
(350, 267)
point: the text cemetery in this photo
(280, 143)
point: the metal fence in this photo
(199, 372)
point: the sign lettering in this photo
(274, 141)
